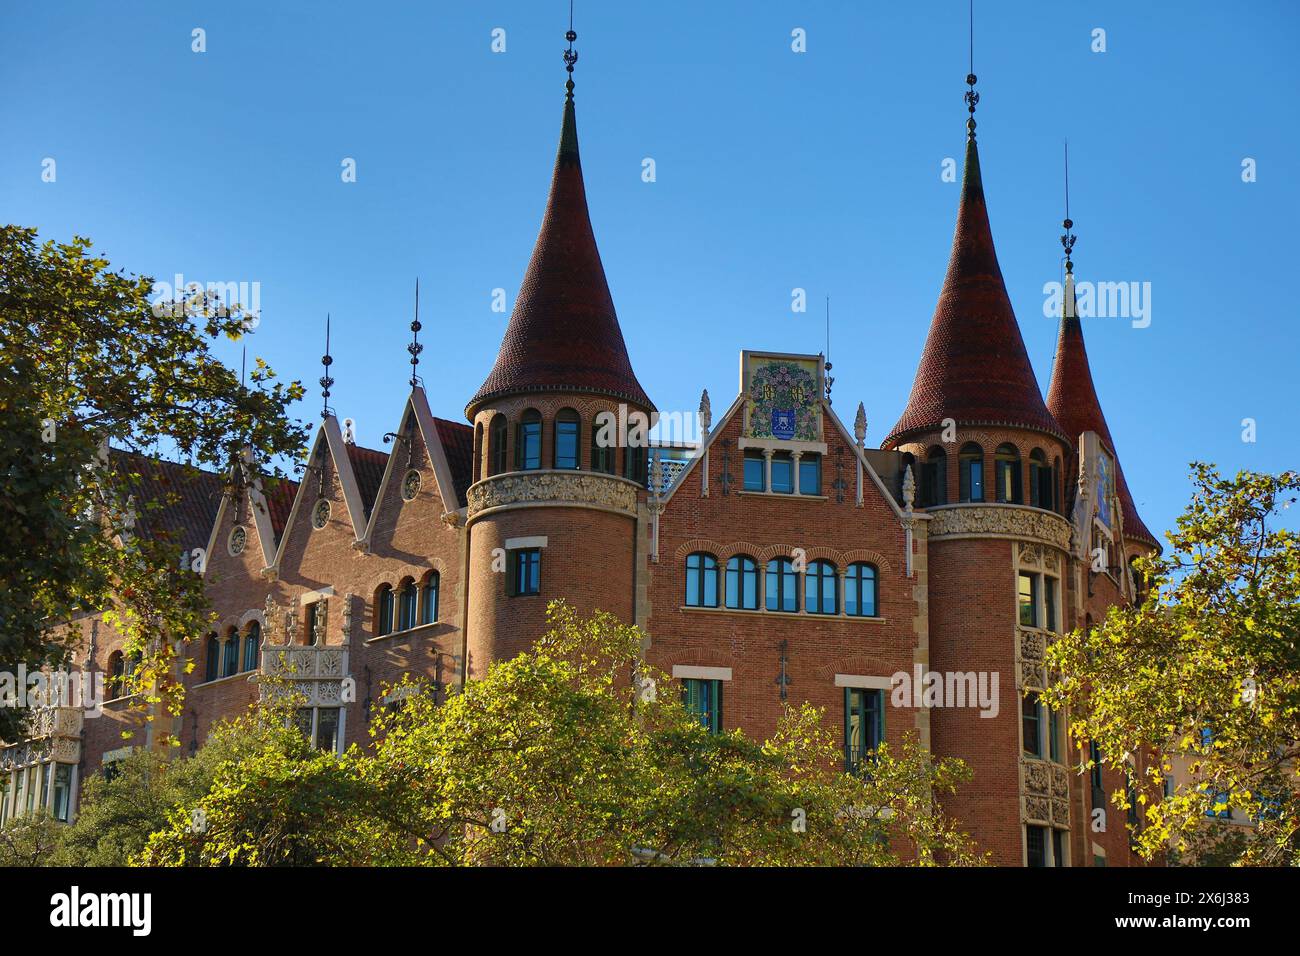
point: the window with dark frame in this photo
(821, 588)
(755, 467)
(860, 592)
(703, 699)
(864, 726)
(497, 445)
(781, 586)
(810, 474)
(701, 580)
(567, 446)
(602, 456)
(528, 443)
(971, 468)
(525, 571)
(1031, 724)
(782, 473)
(742, 583)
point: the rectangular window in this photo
(1058, 847)
(782, 473)
(1098, 791)
(864, 725)
(602, 456)
(754, 467)
(1049, 600)
(972, 479)
(1031, 725)
(634, 464)
(525, 571)
(528, 446)
(566, 444)
(1053, 734)
(1028, 599)
(327, 729)
(62, 791)
(810, 475)
(1035, 846)
(703, 699)
(309, 637)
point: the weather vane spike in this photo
(972, 98)
(326, 381)
(1067, 240)
(415, 348)
(570, 55)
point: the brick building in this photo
(775, 560)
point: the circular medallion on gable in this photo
(320, 515)
(411, 485)
(238, 538)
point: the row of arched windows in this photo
(566, 447)
(234, 653)
(120, 669)
(740, 587)
(1009, 477)
(410, 604)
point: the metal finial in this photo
(326, 381)
(415, 348)
(1067, 240)
(570, 55)
(972, 98)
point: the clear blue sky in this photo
(775, 170)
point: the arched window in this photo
(1007, 463)
(406, 598)
(429, 598)
(971, 466)
(384, 610)
(568, 448)
(860, 590)
(252, 642)
(212, 669)
(602, 449)
(116, 675)
(781, 586)
(634, 464)
(1040, 480)
(821, 588)
(742, 583)
(497, 445)
(230, 654)
(701, 580)
(934, 478)
(528, 443)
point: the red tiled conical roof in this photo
(1072, 400)
(563, 334)
(974, 368)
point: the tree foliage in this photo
(562, 756)
(1206, 672)
(88, 361)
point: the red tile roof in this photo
(974, 368)
(368, 466)
(279, 493)
(458, 442)
(563, 334)
(173, 501)
(1072, 399)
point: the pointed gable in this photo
(974, 368)
(563, 334)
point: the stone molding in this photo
(582, 488)
(999, 521)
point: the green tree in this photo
(88, 361)
(562, 756)
(1206, 672)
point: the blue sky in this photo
(775, 170)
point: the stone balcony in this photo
(1015, 522)
(55, 735)
(543, 488)
(315, 672)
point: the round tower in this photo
(560, 443)
(990, 459)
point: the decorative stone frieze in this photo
(314, 673)
(550, 487)
(1000, 521)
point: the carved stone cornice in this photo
(540, 488)
(999, 521)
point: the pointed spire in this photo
(415, 348)
(563, 335)
(974, 368)
(326, 381)
(1072, 395)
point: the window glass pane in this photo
(710, 581)
(1035, 846)
(429, 606)
(1058, 847)
(810, 475)
(327, 728)
(1049, 595)
(1027, 600)
(566, 444)
(977, 481)
(703, 699)
(782, 474)
(62, 790)
(753, 472)
(529, 452)
(1031, 725)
